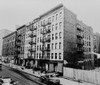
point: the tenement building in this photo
(8, 50)
(30, 44)
(3, 33)
(20, 42)
(88, 45)
(51, 39)
(97, 42)
(55, 37)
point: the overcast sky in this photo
(19, 12)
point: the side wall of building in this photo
(69, 33)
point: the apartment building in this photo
(3, 33)
(88, 45)
(20, 42)
(49, 40)
(58, 33)
(8, 50)
(30, 43)
(96, 42)
(55, 38)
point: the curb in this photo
(40, 83)
(21, 71)
(68, 78)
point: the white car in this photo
(7, 81)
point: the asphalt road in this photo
(16, 76)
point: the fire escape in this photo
(80, 43)
(32, 43)
(18, 46)
(45, 42)
(80, 40)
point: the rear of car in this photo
(0, 65)
(49, 80)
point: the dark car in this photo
(57, 74)
(0, 66)
(48, 79)
(44, 79)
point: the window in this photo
(52, 27)
(51, 55)
(48, 55)
(52, 45)
(89, 44)
(55, 45)
(59, 55)
(89, 37)
(59, 45)
(52, 36)
(49, 19)
(89, 49)
(56, 35)
(60, 14)
(56, 26)
(49, 27)
(37, 55)
(55, 55)
(48, 46)
(60, 25)
(38, 24)
(40, 39)
(40, 47)
(56, 16)
(43, 21)
(37, 40)
(60, 35)
(52, 18)
(40, 30)
(37, 47)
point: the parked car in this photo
(55, 74)
(0, 65)
(7, 81)
(49, 80)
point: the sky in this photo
(14, 13)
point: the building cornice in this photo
(9, 35)
(51, 10)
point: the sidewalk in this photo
(63, 81)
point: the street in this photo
(16, 76)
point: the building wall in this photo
(96, 42)
(87, 37)
(3, 33)
(21, 36)
(9, 45)
(62, 35)
(27, 40)
(55, 17)
(69, 40)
